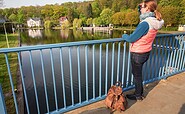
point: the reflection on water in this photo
(37, 37)
(35, 33)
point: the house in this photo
(34, 22)
(62, 20)
(2, 20)
(181, 28)
(4, 23)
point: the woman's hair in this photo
(152, 5)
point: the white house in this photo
(34, 22)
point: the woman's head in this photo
(150, 6)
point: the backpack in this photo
(115, 99)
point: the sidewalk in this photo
(162, 97)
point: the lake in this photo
(39, 37)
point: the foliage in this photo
(12, 17)
(89, 21)
(131, 18)
(101, 10)
(65, 25)
(48, 24)
(105, 16)
(170, 15)
(118, 18)
(77, 23)
(97, 21)
(70, 16)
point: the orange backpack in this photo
(115, 99)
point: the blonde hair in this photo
(152, 5)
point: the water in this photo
(39, 37)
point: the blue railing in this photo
(57, 78)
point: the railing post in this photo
(2, 102)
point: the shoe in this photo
(133, 97)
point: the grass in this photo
(4, 77)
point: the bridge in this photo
(82, 72)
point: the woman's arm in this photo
(140, 31)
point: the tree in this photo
(95, 9)
(118, 18)
(48, 24)
(182, 3)
(97, 21)
(70, 15)
(117, 5)
(104, 3)
(47, 11)
(20, 16)
(170, 14)
(106, 16)
(12, 17)
(77, 23)
(131, 18)
(89, 21)
(88, 11)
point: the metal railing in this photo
(57, 78)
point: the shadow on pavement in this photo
(182, 110)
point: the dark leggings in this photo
(137, 61)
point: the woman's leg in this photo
(137, 61)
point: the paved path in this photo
(162, 97)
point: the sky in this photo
(19, 3)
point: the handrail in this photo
(68, 44)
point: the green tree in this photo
(97, 21)
(48, 24)
(118, 18)
(106, 16)
(88, 11)
(20, 16)
(70, 15)
(131, 18)
(12, 17)
(170, 15)
(77, 23)
(89, 21)
(96, 9)
(47, 11)
(117, 5)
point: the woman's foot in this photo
(134, 97)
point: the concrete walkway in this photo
(162, 97)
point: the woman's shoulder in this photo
(154, 23)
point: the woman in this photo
(141, 42)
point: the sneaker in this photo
(133, 97)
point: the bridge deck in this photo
(161, 97)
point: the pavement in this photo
(161, 97)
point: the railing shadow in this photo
(182, 110)
(147, 89)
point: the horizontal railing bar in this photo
(166, 35)
(48, 46)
